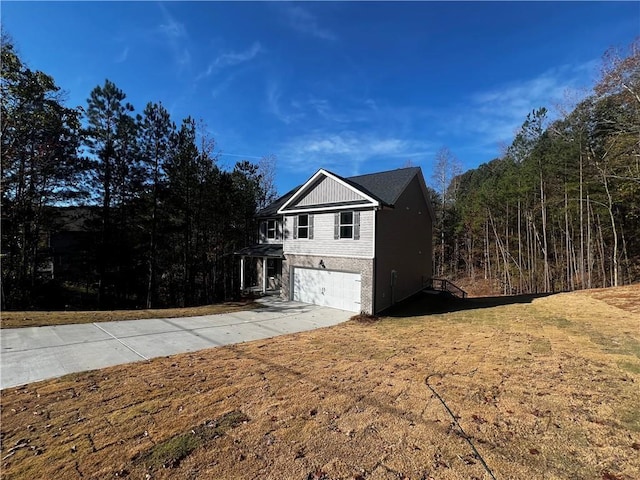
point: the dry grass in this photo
(548, 389)
(39, 319)
(625, 298)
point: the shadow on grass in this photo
(425, 303)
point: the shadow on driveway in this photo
(426, 303)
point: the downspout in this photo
(374, 283)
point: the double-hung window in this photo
(272, 229)
(303, 226)
(269, 230)
(347, 225)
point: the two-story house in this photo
(360, 243)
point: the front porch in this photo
(261, 269)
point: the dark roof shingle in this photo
(273, 250)
(383, 186)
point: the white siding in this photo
(323, 242)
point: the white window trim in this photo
(340, 225)
(273, 230)
(305, 227)
(355, 225)
(308, 226)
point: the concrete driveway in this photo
(38, 353)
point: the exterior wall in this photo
(355, 265)
(404, 244)
(323, 241)
(327, 190)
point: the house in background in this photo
(360, 243)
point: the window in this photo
(272, 229)
(347, 225)
(269, 229)
(303, 226)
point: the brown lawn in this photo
(39, 319)
(548, 389)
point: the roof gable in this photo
(374, 189)
(328, 191)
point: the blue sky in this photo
(353, 87)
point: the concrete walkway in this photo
(37, 353)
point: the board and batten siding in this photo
(327, 190)
(323, 241)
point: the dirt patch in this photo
(530, 391)
(40, 319)
(625, 298)
(365, 318)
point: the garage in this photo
(328, 288)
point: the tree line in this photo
(159, 218)
(560, 210)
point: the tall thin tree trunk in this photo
(614, 232)
(547, 282)
(582, 259)
(152, 240)
(601, 247)
(520, 286)
(567, 234)
(589, 250)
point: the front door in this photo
(274, 273)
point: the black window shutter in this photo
(310, 226)
(356, 225)
(336, 226)
(295, 227)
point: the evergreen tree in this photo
(156, 132)
(111, 136)
(39, 168)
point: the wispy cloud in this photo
(496, 114)
(286, 113)
(234, 58)
(171, 28)
(321, 110)
(303, 21)
(123, 55)
(230, 59)
(222, 86)
(348, 151)
(175, 33)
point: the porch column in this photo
(241, 274)
(264, 274)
